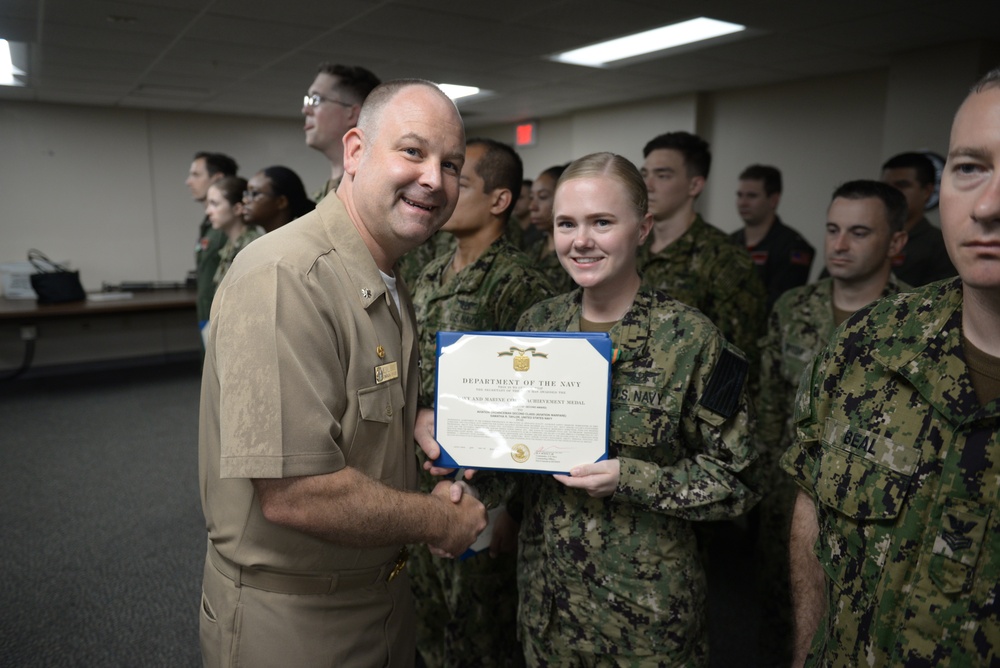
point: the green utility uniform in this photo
(466, 610)
(706, 269)
(620, 577)
(903, 463)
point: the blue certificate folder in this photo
(540, 400)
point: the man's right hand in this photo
(463, 520)
(424, 435)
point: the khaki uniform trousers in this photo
(364, 626)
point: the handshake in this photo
(464, 515)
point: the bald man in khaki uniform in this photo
(308, 406)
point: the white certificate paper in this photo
(522, 401)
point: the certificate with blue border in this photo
(522, 401)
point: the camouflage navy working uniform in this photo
(414, 262)
(467, 610)
(903, 463)
(548, 263)
(232, 247)
(329, 187)
(620, 576)
(706, 269)
(799, 327)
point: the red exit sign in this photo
(526, 134)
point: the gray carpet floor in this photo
(102, 532)
(102, 535)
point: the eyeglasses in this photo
(314, 99)
(252, 195)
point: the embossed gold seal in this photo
(522, 363)
(520, 453)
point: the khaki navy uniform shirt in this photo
(706, 269)
(300, 327)
(621, 574)
(904, 466)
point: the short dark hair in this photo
(920, 163)
(554, 172)
(217, 163)
(526, 182)
(355, 80)
(893, 200)
(500, 167)
(989, 80)
(697, 157)
(771, 176)
(285, 182)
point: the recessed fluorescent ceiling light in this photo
(650, 41)
(7, 70)
(455, 91)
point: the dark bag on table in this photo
(54, 283)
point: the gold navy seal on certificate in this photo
(522, 401)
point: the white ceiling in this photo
(257, 57)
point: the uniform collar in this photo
(927, 352)
(630, 335)
(344, 238)
(682, 245)
(471, 277)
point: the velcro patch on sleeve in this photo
(722, 394)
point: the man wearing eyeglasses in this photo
(309, 399)
(331, 108)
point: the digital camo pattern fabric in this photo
(904, 465)
(799, 327)
(488, 295)
(706, 269)
(232, 247)
(413, 263)
(467, 610)
(621, 575)
(548, 263)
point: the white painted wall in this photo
(622, 129)
(818, 132)
(103, 187)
